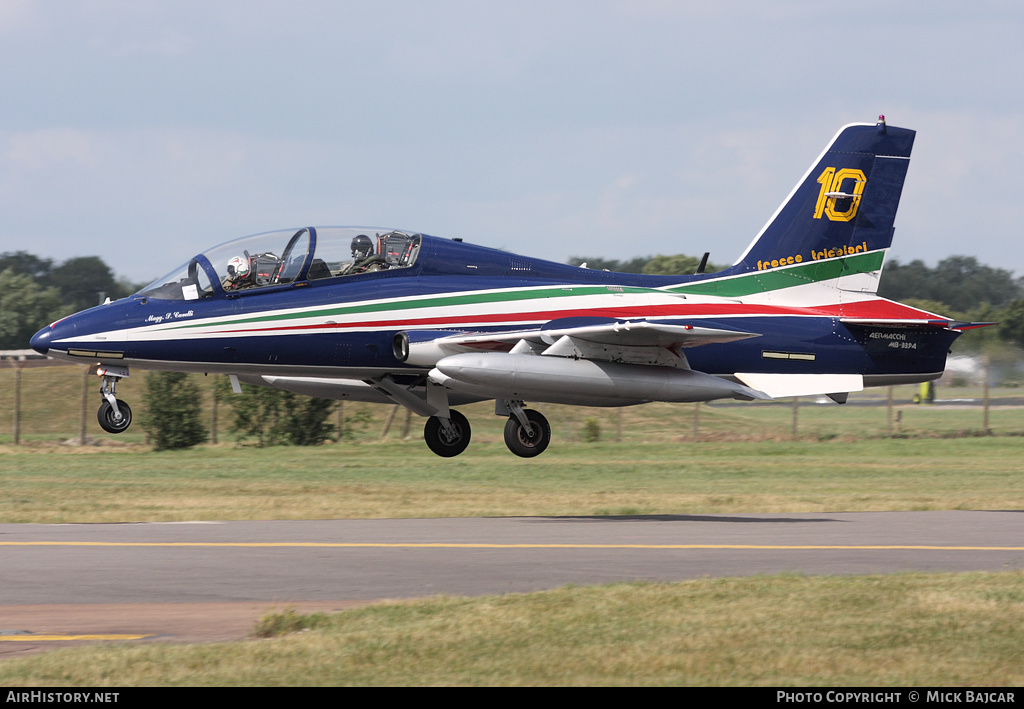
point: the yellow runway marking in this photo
(52, 638)
(473, 545)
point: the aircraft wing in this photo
(633, 342)
(627, 333)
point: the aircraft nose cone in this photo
(40, 341)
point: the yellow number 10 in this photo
(831, 182)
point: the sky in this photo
(146, 131)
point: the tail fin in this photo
(841, 211)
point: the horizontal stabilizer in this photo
(917, 322)
(779, 386)
(962, 325)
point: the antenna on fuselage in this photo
(703, 264)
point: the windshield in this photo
(187, 282)
(281, 257)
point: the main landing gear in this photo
(447, 437)
(114, 415)
(527, 432)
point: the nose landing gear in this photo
(114, 415)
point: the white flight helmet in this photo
(238, 268)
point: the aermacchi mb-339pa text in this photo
(396, 316)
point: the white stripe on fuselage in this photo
(460, 316)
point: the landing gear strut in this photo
(527, 432)
(447, 437)
(114, 415)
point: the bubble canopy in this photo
(279, 258)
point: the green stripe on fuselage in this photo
(779, 278)
(442, 301)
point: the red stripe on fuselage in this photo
(880, 308)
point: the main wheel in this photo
(447, 444)
(523, 444)
(109, 422)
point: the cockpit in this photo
(279, 258)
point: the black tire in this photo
(438, 442)
(106, 417)
(520, 443)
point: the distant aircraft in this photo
(394, 316)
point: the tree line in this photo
(36, 291)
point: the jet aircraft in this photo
(396, 316)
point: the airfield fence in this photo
(50, 402)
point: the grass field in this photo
(918, 629)
(403, 479)
(784, 630)
(653, 459)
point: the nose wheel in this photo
(447, 439)
(114, 420)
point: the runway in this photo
(75, 570)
